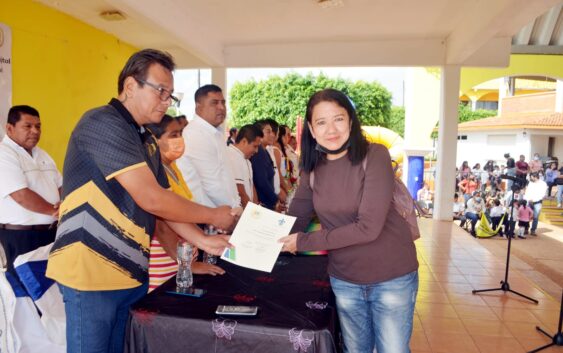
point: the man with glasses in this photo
(114, 193)
(205, 162)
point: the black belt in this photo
(30, 227)
(536, 202)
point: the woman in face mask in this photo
(162, 263)
(536, 164)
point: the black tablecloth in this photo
(291, 317)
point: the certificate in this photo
(255, 238)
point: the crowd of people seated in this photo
(490, 190)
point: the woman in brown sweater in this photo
(372, 259)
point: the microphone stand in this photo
(504, 285)
(557, 339)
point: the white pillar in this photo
(219, 78)
(502, 93)
(473, 103)
(447, 143)
(559, 97)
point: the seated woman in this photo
(162, 261)
(459, 210)
(475, 206)
(424, 197)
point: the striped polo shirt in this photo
(103, 236)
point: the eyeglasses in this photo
(163, 93)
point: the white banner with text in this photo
(5, 75)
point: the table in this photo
(297, 312)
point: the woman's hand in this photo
(202, 268)
(216, 244)
(289, 243)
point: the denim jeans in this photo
(559, 195)
(474, 217)
(376, 315)
(510, 172)
(96, 320)
(537, 209)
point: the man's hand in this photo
(215, 245)
(56, 210)
(32, 201)
(289, 243)
(224, 218)
(202, 268)
(282, 196)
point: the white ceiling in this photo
(289, 33)
(543, 35)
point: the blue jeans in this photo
(96, 320)
(376, 315)
(559, 194)
(537, 209)
(510, 172)
(474, 217)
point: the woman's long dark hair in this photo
(283, 131)
(357, 151)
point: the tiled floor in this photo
(449, 318)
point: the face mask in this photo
(536, 158)
(344, 147)
(175, 148)
(477, 199)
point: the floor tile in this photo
(486, 327)
(533, 343)
(515, 315)
(475, 312)
(451, 342)
(419, 342)
(432, 297)
(425, 310)
(442, 325)
(490, 344)
(466, 299)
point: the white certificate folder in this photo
(255, 238)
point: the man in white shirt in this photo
(246, 145)
(475, 206)
(29, 186)
(204, 162)
(535, 192)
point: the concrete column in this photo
(502, 93)
(219, 78)
(559, 97)
(447, 143)
(422, 92)
(473, 104)
(511, 86)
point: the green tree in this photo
(283, 98)
(397, 120)
(466, 114)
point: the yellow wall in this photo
(520, 64)
(60, 66)
(422, 110)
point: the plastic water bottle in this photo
(184, 277)
(209, 230)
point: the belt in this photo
(30, 227)
(536, 202)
